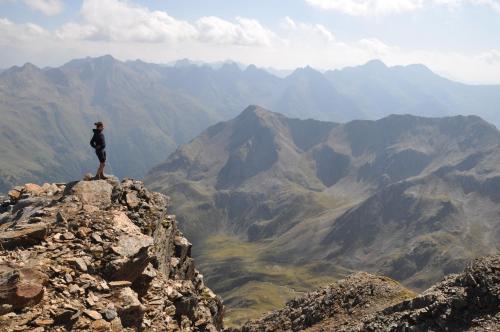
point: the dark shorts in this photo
(101, 154)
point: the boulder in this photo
(132, 200)
(123, 223)
(33, 189)
(132, 247)
(97, 193)
(14, 194)
(21, 287)
(129, 308)
(182, 247)
(23, 235)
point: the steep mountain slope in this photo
(409, 197)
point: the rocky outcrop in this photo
(469, 301)
(342, 301)
(98, 256)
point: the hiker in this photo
(99, 144)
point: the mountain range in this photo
(150, 109)
(277, 205)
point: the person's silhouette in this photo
(99, 144)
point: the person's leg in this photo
(99, 171)
(101, 174)
(103, 164)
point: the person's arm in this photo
(103, 142)
(93, 142)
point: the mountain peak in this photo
(29, 66)
(105, 60)
(230, 67)
(256, 111)
(304, 72)
(26, 69)
(375, 63)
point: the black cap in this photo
(98, 124)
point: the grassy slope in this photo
(249, 284)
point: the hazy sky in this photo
(456, 38)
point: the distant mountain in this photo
(409, 197)
(379, 90)
(150, 109)
(47, 117)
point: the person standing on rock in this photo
(99, 144)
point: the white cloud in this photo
(128, 31)
(367, 7)
(120, 21)
(246, 31)
(308, 32)
(491, 57)
(386, 7)
(48, 7)
(493, 4)
(28, 32)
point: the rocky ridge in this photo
(469, 301)
(98, 256)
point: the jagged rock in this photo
(121, 283)
(21, 287)
(23, 235)
(108, 263)
(468, 301)
(97, 193)
(33, 189)
(14, 194)
(362, 302)
(78, 263)
(129, 308)
(93, 314)
(132, 200)
(110, 314)
(100, 325)
(133, 249)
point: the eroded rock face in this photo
(98, 256)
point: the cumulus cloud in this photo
(245, 31)
(129, 31)
(119, 21)
(48, 7)
(385, 7)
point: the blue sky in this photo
(459, 39)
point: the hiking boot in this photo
(104, 177)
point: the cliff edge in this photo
(98, 256)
